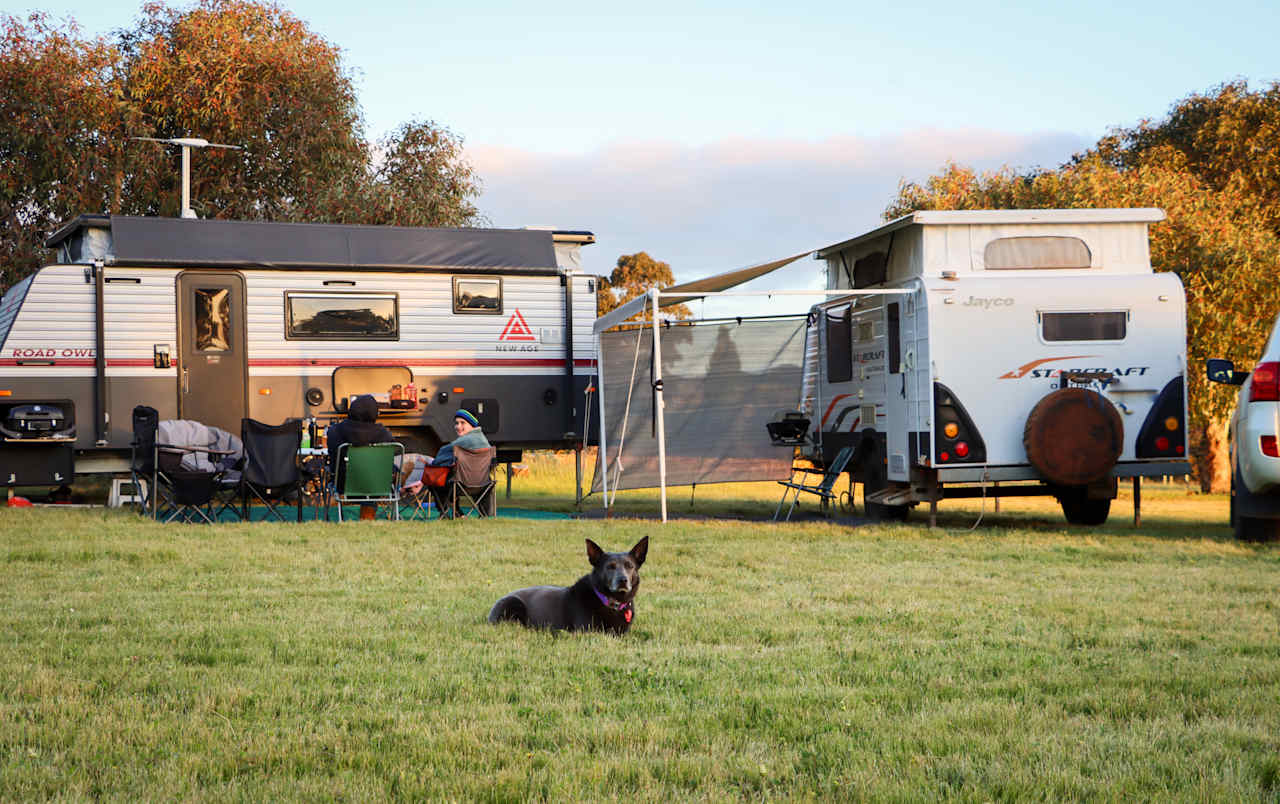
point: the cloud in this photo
(712, 208)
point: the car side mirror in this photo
(1224, 371)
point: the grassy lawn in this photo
(1021, 659)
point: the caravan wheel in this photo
(876, 478)
(1080, 510)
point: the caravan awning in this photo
(227, 244)
(726, 280)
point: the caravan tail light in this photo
(1163, 433)
(1269, 446)
(956, 437)
(1264, 383)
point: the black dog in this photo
(600, 601)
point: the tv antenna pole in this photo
(187, 144)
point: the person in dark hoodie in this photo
(359, 429)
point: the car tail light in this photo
(962, 450)
(1269, 446)
(1264, 383)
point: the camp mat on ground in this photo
(310, 513)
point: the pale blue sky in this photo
(713, 134)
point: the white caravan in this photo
(219, 320)
(1029, 352)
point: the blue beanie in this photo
(468, 417)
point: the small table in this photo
(321, 494)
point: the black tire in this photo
(1231, 511)
(875, 478)
(1256, 529)
(1080, 510)
(1250, 528)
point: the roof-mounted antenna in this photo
(187, 144)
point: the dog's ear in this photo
(594, 553)
(640, 550)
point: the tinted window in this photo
(870, 270)
(840, 344)
(342, 315)
(477, 295)
(893, 332)
(1084, 326)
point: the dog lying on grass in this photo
(601, 600)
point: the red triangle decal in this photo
(517, 329)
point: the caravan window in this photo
(839, 337)
(474, 295)
(213, 319)
(1096, 326)
(339, 316)
(1023, 253)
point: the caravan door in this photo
(902, 387)
(211, 349)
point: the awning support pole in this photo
(657, 402)
(602, 456)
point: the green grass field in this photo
(1023, 659)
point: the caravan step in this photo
(897, 495)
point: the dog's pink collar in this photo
(616, 605)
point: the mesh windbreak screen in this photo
(722, 383)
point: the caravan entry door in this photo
(211, 349)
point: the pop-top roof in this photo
(990, 217)
(186, 242)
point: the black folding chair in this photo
(472, 483)
(190, 494)
(823, 488)
(271, 470)
(169, 490)
(142, 463)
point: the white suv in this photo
(1255, 454)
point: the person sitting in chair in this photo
(359, 429)
(470, 436)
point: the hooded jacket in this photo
(359, 429)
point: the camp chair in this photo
(190, 495)
(270, 471)
(171, 489)
(142, 463)
(426, 502)
(472, 484)
(827, 479)
(364, 475)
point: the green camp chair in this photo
(367, 475)
(823, 488)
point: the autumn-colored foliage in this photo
(230, 71)
(1205, 166)
(633, 276)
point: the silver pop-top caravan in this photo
(219, 320)
(1022, 345)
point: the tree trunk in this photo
(1210, 456)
